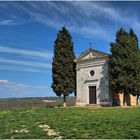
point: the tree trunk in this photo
(137, 101)
(64, 99)
(126, 99)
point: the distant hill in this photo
(12, 103)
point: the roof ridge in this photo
(89, 49)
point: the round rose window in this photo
(92, 73)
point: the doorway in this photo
(92, 94)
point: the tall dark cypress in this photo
(118, 60)
(134, 61)
(125, 64)
(63, 68)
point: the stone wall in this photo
(133, 101)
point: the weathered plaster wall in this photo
(100, 80)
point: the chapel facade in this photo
(92, 78)
(92, 81)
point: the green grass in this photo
(86, 122)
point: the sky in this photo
(28, 31)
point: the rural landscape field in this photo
(13, 103)
(54, 121)
(69, 69)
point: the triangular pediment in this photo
(90, 54)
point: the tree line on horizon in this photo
(124, 63)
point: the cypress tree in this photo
(63, 68)
(124, 64)
(134, 55)
(117, 61)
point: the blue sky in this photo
(28, 31)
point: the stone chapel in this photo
(92, 80)
(92, 73)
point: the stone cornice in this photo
(91, 63)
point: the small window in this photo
(92, 73)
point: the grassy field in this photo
(71, 122)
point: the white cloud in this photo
(11, 89)
(21, 85)
(83, 18)
(26, 63)
(7, 22)
(63, 15)
(90, 32)
(74, 15)
(20, 69)
(25, 60)
(3, 81)
(26, 52)
(9, 83)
